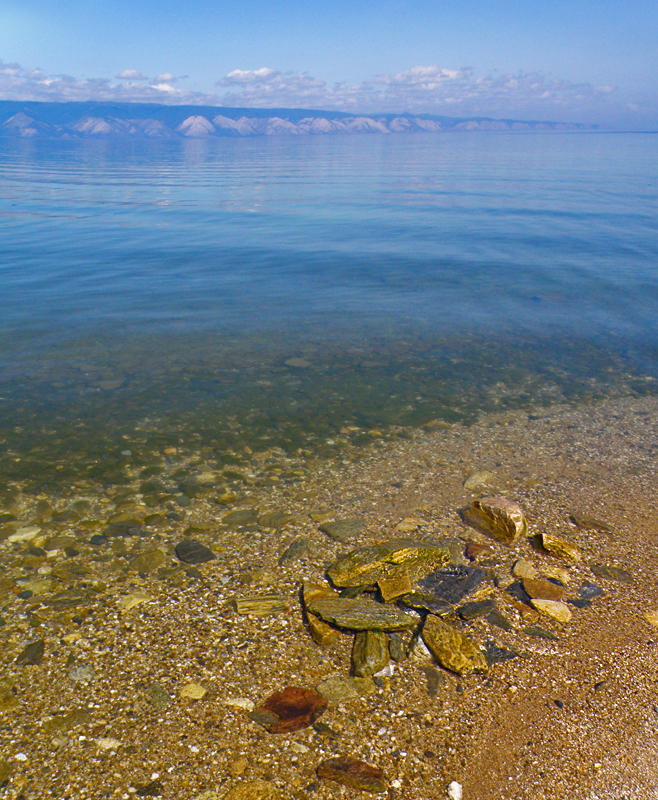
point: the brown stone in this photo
(451, 648)
(559, 547)
(392, 588)
(353, 773)
(499, 517)
(543, 590)
(290, 710)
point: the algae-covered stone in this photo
(369, 653)
(451, 648)
(147, 561)
(560, 548)
(501, 518)
(553, 609)
(367, 565)
(394, 587)
(322, 633)
(262, 605)
(359, 615)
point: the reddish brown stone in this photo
(474, 549)
(353, 773)
(290, 710)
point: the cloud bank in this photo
(421, 89)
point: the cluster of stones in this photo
(427, 588)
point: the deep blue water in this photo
(139, 262)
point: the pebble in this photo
(159, 698)
(478, 478)
(253, 790)
(193, 691)
(354, 773)
(32, 654)
(343, 530)
(369, 653)
(338, 688)
(455, 791)
(559, 547)
(611, 573)
(132, 600)
(556, 610)
(261, 605)
(524, 569)
(192, 552)
(501, 518)
(82, 673)
(290, 710)
(299, 549)
(451, 648)
(239, 702)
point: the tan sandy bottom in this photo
(575, 718)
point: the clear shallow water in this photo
(154, 291)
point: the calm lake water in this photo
(152, 293)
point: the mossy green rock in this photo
(367, 565)
(369, 653)
(451, 648)
(361, 615)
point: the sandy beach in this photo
(148, 670)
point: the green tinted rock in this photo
(367, 565)
(260, 606)
(359, 615)
(343, 530)
(147, 561)
(451, 648)
(369, 653)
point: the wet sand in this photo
(572, 717)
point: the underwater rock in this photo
(501, 518)
(451, 648)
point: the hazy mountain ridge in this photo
(150, 121)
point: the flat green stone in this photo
(451, 648)
(361, 615)
(260, 606)
(367, 565)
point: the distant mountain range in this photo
(150, 121)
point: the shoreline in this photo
(497, 741)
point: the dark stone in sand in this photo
(125, 529)
(240, 518)
(476, 608)
(496, 655)
(586, 523)
(540, 633)
(32, 654)
(588, 591)
(453, 583)
(611, 573)
(474, 549)
(427, 602)
(299, 549)
(397, 648)
(290, 710)
(517, 591)
(326, 730)
(498, 619)
(353, 773)
(434, 679)
(97, 539)
(343, 530)
(152, 789)
(192, 552)
(158, 697)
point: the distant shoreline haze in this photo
(85, 120)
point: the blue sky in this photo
(584, 61)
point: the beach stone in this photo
(367, 565)
(427, 602)
(451, 648)
(397, 586)
(498, 619)
(261, 605)
(326, 731)
(434, 679)
(299, 549)
(158, 697)
(497, 655)
(397, 648)
(24, 534)
(253, 790)
(245, 516)
(192, 552)
(151, 789)
(82, 673)
(537, 632)
(478, 478)
(275, 519)
(651, 617)
(322, 633)
(609, 573)
(453, 583)
(559, 547)
(148, 561)
(193, 691)
(354, 773)
(132, 600)
(290, 710)
(553, 609)
(338, 688)
(586, 523)
(556, 573)
(501, 518)
(343, 530)
(32, 654)
(476, 608)
(543, 590)
(357, 614)
(369, 653)
(524, 569)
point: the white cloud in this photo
(421, 89)
(132, 75)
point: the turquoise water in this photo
(153, 292)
